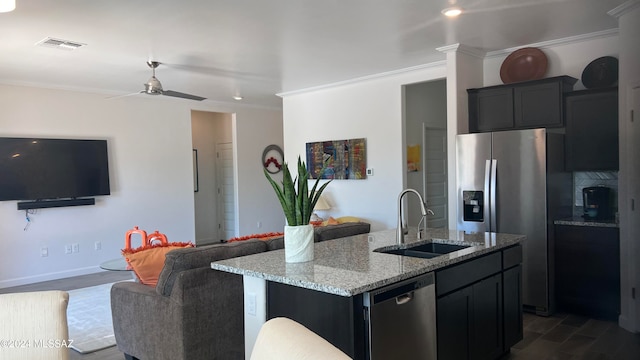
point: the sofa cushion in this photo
(179, 260)
(329, 232)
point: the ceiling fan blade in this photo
(182, 95)
(125, 95)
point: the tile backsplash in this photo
(593, 178)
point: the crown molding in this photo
(464, 49)
(557, 42)
(624, 8)
(364, 78)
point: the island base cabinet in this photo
(479, 306)
(338, 319)
(470, 321)
(512, 295)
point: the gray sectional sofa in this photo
(194, 312)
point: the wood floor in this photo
(557, 337)
(569, 337)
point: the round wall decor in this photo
(272, 159)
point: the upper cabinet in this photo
(523, 105)
(591, 137)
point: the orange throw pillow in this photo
(147, 261)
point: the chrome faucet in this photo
(400, 230)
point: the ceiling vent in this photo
(59, 44)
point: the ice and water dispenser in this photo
(473, 204)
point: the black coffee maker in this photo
(597, 203)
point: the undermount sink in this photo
(425, 251)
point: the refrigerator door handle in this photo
(492, 191)
(487, 189)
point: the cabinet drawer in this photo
(511, 257)
(461, 275)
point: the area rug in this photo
(89, 318)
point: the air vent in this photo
(59, 44)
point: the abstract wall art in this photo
(345, 159)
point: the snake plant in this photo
(297, 205)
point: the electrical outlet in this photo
(44, 251)
(75, 247)
(251, 304)
(97, 246)
(259, 224)
(68, 249)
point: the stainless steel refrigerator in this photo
(514, 182)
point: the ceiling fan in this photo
(154, 87)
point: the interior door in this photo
(226, 184)
(435, 175)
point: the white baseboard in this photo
(49, 276)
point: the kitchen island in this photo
(328, 294)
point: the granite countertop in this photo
(349, 266)
(580, 221)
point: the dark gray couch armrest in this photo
(201, 319)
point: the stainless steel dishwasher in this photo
(401, 320)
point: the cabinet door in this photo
(491, 109)
(538, 106)
(592, 130)
(486, 324)
(512, 297)
(453, 322)
(338, 319)
(587, 270)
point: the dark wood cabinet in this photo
(478, 309)
(479, 306)
(454, 323)
(592, 130)
(524, 105)
(587, 270)
(512, 295)
(470, 321)
(338, 319)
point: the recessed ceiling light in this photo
(7, 5)
(237, 97)
(452, 11)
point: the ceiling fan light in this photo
(7, 5)
(452, 11)
(153, 86)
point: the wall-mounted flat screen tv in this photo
(40, 169)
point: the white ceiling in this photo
(258, 48)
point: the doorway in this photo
(425, 121)
(225, 190)
(209, 130)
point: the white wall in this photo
(370, 109)
(564, 58)
(150, 148)
(257, 202)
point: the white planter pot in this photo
(298, 243)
